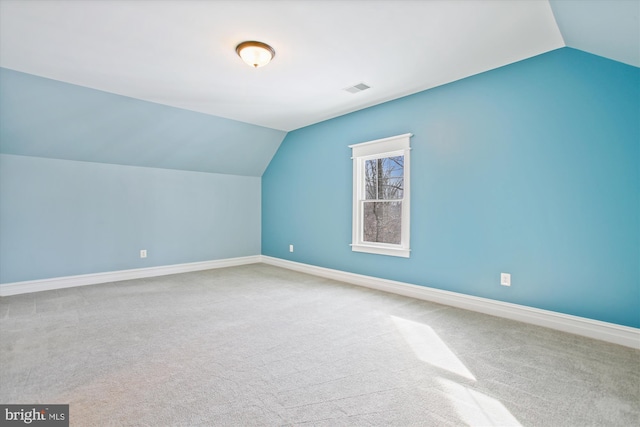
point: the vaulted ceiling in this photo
(182, 53)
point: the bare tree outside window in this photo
(382, 196)
(384, 191)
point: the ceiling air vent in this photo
(357, 88)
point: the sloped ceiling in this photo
(609, 28)
(46, 118)
(181, 54)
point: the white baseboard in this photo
(16, 288)
(610, 332)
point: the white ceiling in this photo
(182, 53)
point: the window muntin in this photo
(384, 178)
(381, 196)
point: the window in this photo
(381, 196)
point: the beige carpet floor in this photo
(262, 346)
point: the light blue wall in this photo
(61, 217)
(47, 118)
(530, 169)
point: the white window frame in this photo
(387, 147)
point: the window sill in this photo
(381, 250)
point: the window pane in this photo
(384, 178)
(371, 179)
(382, 222)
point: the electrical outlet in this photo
(143, 253)
(290, 248)
(505, 279)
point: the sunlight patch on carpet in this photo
(476, 408)
(429, 347)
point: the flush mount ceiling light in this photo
(255, 54)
